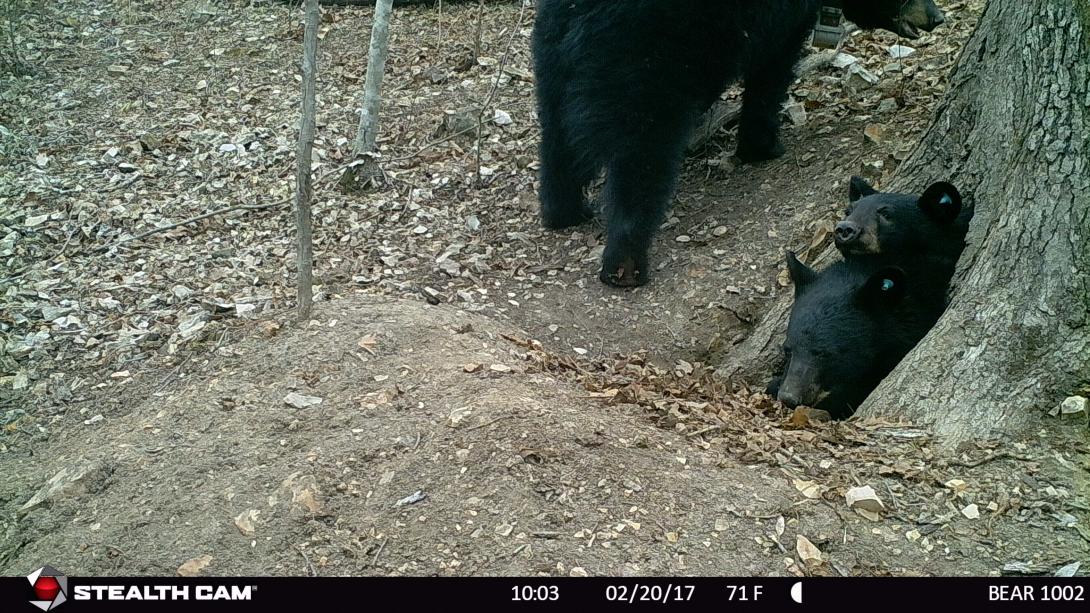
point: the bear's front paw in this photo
(624, 271)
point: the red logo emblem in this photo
(50, 587)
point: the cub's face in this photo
(904, 17)
(876, 225)
(835, 346)
(900, 225)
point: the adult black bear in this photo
(620, 85)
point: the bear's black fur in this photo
(850, 325)
(912, 231)
(620, 86)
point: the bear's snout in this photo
(846, 232)
(919, 15)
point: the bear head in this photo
(904, 17)
(838, 346)
(902, 225)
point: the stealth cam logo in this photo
(50, 586)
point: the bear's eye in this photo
(848, 211)
(787, 353)
(883, 214)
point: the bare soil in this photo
(551, 425)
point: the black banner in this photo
(50, 590)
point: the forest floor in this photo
(468, 398)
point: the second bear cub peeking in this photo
(925, 231)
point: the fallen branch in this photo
(703, 431)
(440, 141)
(229, 209)
(237, 207)
(310, 567)
(374, 560)
(995, 456)
(487, 423)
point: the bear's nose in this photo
(936, 19)
(846, 232)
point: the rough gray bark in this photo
(358, 176)
(372, 88)
(1013, 134)
(304, 191)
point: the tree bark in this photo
(304, 191)
(1012, 134)
(372, 88)
(359, 176)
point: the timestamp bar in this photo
(888, 595)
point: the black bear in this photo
(850, 325)
(912, 231)
(620, 86)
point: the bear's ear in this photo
(941, 202)
(859, 188)
(884, 288)
(801, 274)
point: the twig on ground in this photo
(995, 456)
(432, 144)
(487, 423)
(237, 207)
(702, 431)
(892, 497)
(49, 260)
(310, 567)
(374, 561)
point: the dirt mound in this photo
(510, 464)
(441, 447)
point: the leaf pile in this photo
(874, 467)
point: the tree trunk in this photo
(372, 88)
(1012, 134)
(358, 176)
(304, 191)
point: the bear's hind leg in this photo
(639, 183)
(564, 174)
(765, 92)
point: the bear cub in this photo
(849, 327)
(852, 323)
(924, 231)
